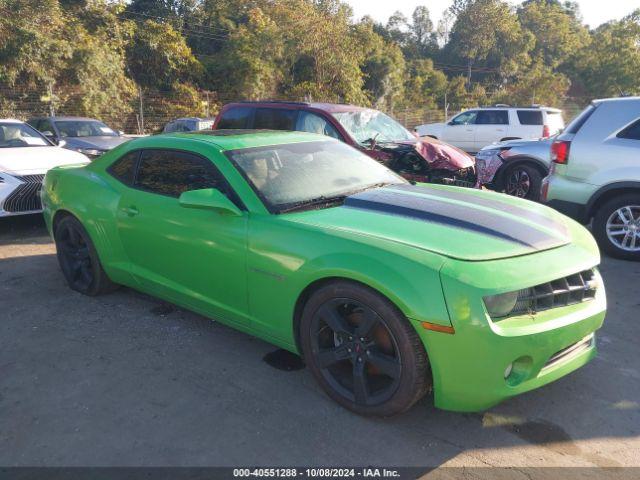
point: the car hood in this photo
(455, 222)
(35, 160)
(98, 143)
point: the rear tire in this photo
(523, 181)
(615, 237)
(362, 351)
(79, 260)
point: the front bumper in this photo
(470, 366)
(487, 169)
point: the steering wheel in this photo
(16, 142)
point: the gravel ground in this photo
(126, 379)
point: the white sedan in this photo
(25, 156)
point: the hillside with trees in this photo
(101, 58)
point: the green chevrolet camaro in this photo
(387, 289)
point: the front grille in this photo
(465, 177)
(570, 351)
(570, 290)
(26, 196)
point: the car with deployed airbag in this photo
(387, 289)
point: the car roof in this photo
(241, 139)
(66, 118)
(616, 99)
(10, 120)
(327, 107)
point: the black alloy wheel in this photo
(78, 259)
(364, 353)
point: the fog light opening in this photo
(518, 371)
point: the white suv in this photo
(474, 129)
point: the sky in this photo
(594, 12)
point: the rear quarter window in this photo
(577, 123)
(124, 169)
(275, 119)
(530, 117)
(236, 117)
(632, 132)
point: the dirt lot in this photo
(125, 379)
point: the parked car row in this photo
(590, 171)
(370, 131)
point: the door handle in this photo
(131, 211)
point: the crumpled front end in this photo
(429, 161)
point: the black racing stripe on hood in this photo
(464, 195)
(393, 202)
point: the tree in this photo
(383, 66)
(489, 30)
(422, 34)
(610, 66)
(425, 86)
(159, 57)
(33, 43)
(558, 31)
(537, 84)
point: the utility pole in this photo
(141, 111)
(52, 108)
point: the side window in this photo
(168, 172)
(237, 117)
(530, 117)
(632, 132)
(275, 119)
(46, 126)
(465, 118)
(493, 117)
(310, 122)
(124, 169)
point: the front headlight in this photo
(501, 305)
(90, 152)
(488, 153)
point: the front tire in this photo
(362, 351)
(616, 227)
(523, 181)
(79, 260)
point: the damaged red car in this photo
(373, 132)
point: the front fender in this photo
(283, 260)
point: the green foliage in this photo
(557, 30)
(158, 56)
(99, 56)
(610, 66)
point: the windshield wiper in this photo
(312, 202)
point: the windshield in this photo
(287, 176)
(14, 135)
(368, 125)
(84, 128)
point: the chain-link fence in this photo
(146, 112)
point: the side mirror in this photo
(121, 133)
(62, 143)
(49, 134)
(209, 199)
